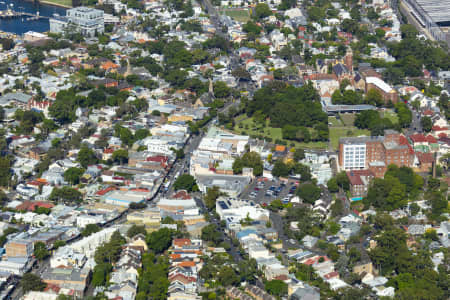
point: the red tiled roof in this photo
(315, 260)
(418, 138)
(438, 128)
(182, 278)
(104, 191)
(355, 176)
(175, 256)
(145, 190)
(281, 277)
(404, 141)
(431, 139)
(181, 242)
(158, 158)
(36, 183)
(188, 263)
(425, 158)
(428, 113)
(32, 205)
(183, 195)
(331, 275)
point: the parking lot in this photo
(265, 191)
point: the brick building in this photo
(359, 181)
(386, 91)
(375, 152)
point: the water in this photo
(20, 25)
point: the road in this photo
(416, 126)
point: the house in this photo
(258, 293)
(363, 267)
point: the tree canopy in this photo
(286, 105)
(185, 182)
(248, 160)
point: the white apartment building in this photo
(354, 156)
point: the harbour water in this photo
(20, 25)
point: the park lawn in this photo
(347, 119)
(65, 3)
(273, 133)
(334, 121)
(391, 115)
(241, 15)
(336, 133)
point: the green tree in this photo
(249, 160)
(316, 14)
(227, 276)
(185, 182)
(374, 97)
(332, 185)
(426, 123)
(120, 156)
(58, 243)
(276, 287)
(299, 154)
(221, 90)
(90, 229)
(5, 172)
(159, 241)
(404, 114)
(135, 230)
(86, 156)
(309, 192)
(210, 233)
(40, 251)
(100, 274)
(142, 133)
(276, 205)
(211, 196)
(65, 194)
(31, 282)
(110, 252)
(73, 174)
(280, 169)
(262, 11)
(342, 181)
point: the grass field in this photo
(250, 128)
(334, 121)
(241, 15)
(347, 131)
(347, 119)
(65, 3)
(391, 115)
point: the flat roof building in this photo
(85, 20)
